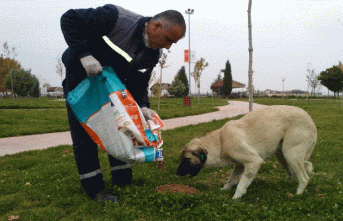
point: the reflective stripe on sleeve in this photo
(119, 51)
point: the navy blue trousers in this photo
(86, 151)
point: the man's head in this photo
(166, 28)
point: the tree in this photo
(181, 75)
(219, 77)
(24, 83)
(156, 90)
(152, 79)
(199, 67)
(332, 78)
(340, 65)
(7, 63)
(60, 68)
(227, 82)
(312, 80)
(162, 62)
(177, 89)
(8, 53)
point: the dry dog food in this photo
(176, 188)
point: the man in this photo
(131, 44)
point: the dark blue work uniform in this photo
(110, 34)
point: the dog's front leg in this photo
(250, 171)
(234, 176)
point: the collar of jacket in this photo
(138, 36)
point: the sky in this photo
(288, 37)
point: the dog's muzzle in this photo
(187, 167)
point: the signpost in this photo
(186, 56)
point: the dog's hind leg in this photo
(234, 176)
(281, 158)
(297, 148)
(250, 170)
(295, 160)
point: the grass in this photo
(44, 185)
(31, 103)
(28, 116)
(173, 107)
(18, 122)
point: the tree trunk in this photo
(250, 58)
(199, 92)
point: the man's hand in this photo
(147, 113)
(91, 65)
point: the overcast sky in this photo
(288, 35)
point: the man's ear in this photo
(157, 24)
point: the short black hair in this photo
(171, 18)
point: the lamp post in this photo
(189, 12)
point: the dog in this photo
(286, 131)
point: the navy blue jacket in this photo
(84, 31)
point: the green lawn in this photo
(44, 185)
(36, 116)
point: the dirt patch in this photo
(162, 165)
(176, 188)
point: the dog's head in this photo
(193, 158)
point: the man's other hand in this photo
(91, 65)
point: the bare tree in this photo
(340, 65)
(250, 58)
(312, 80)
(200, 65)
(152, 79)
(162, 62)
(11, 54)
(60, 70)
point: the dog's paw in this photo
(238, 194)
(226, 187)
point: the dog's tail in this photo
(309, 168)
(308, 165)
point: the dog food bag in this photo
(112, 118)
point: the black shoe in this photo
(104, 196)
(122, 177)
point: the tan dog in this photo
(286, 131)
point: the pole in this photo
(250, 59)
(189, 12)
(189, 52)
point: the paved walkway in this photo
(14, 145)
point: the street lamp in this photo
(189, 12)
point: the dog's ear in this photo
(182, 154)
(202, 154)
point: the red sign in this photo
(186, 56)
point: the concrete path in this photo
(14, 145)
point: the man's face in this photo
(160, 38)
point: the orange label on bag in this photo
(132, 110)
